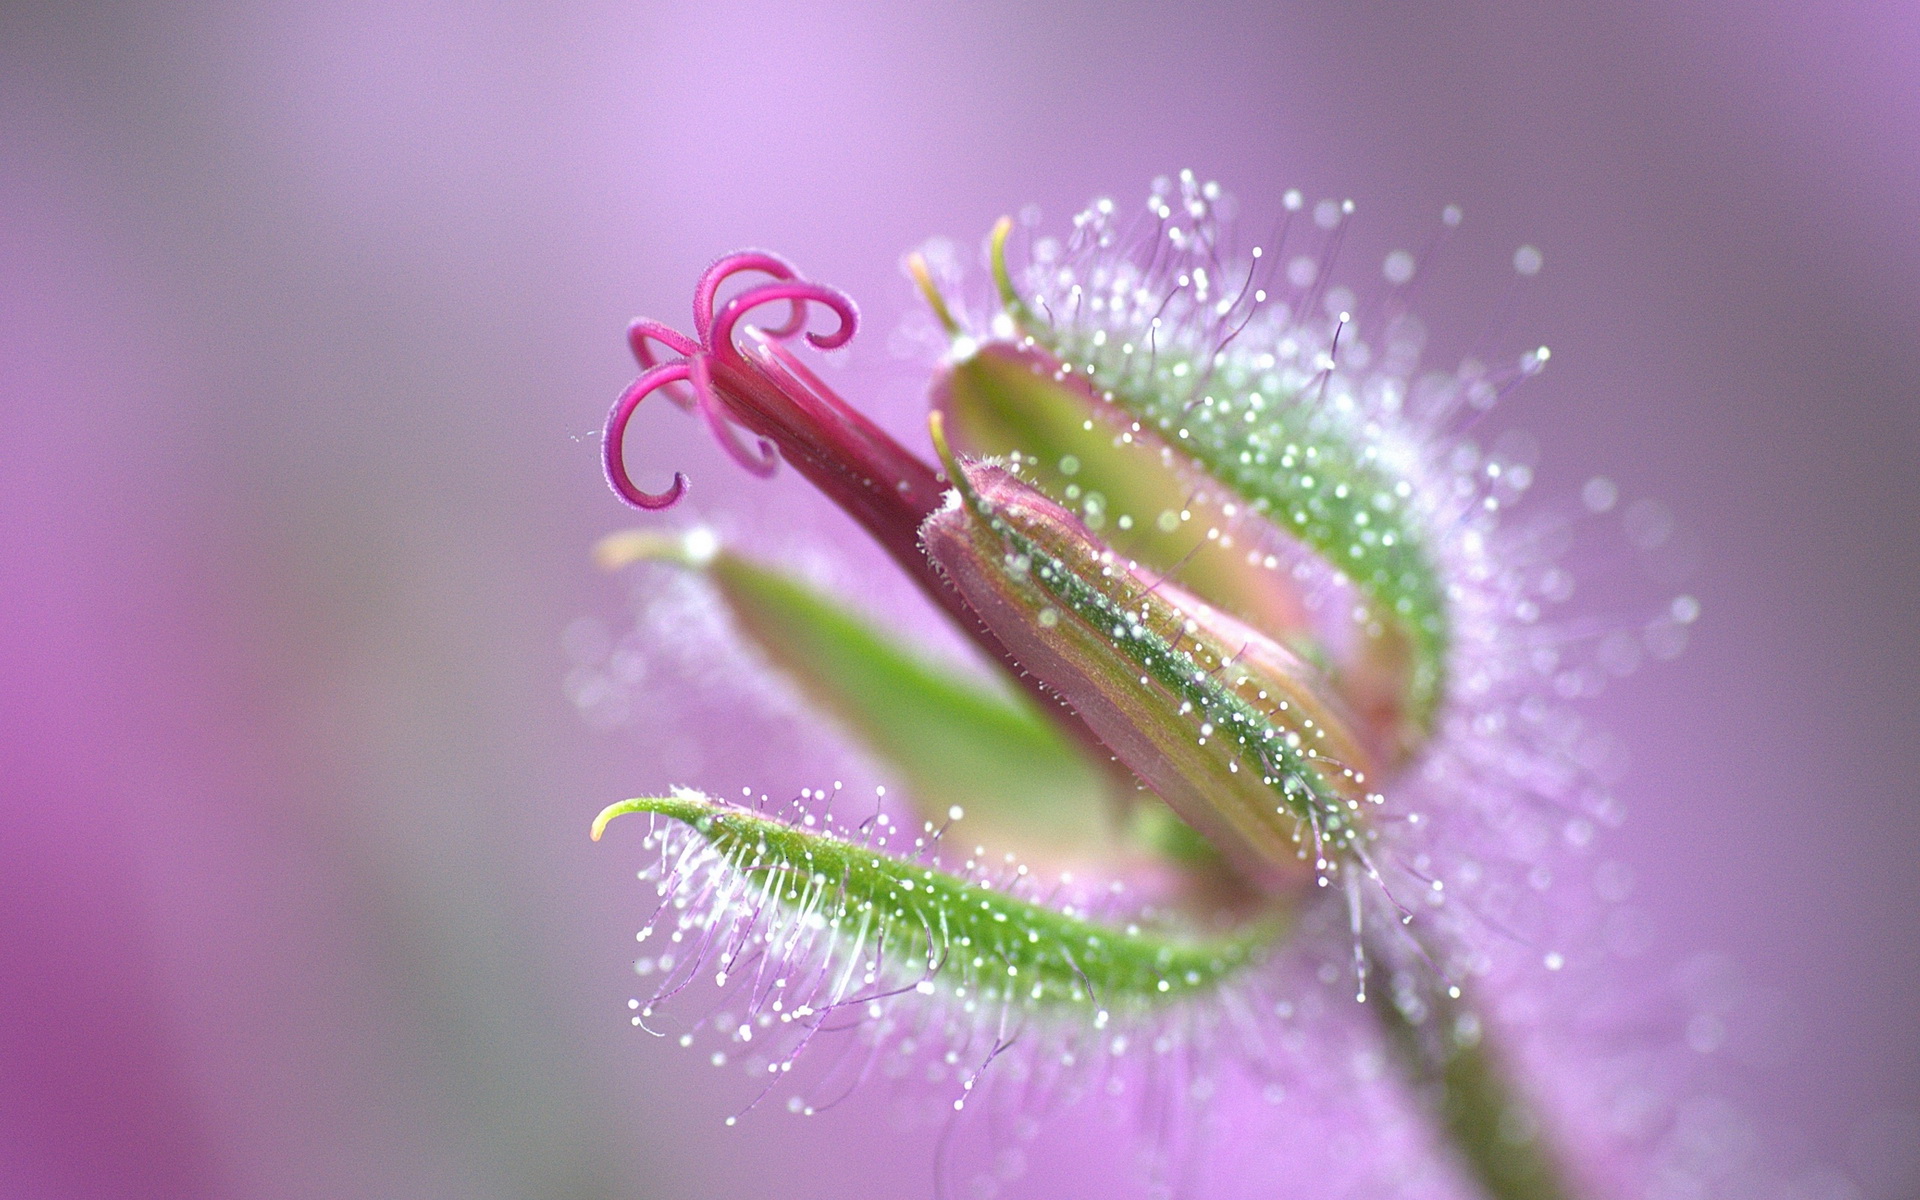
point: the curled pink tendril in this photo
(688, 380)
(799, 292)
(750, 388)
(615, 457)
(640, 336)
(738, 264)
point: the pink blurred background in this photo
(307, 324)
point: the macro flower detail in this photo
(977, 941)
(1272, 746)
(770, 393)
(1222, 723)
(1131, 387)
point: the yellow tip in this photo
(685, 804)
(609, 813)
(949, 461)
(923, 279)
(937, 430)
(694, 548)
(997, 251)
(1003, 278)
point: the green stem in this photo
(1458, 1074)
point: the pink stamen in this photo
(713, 409)
(741, 376)
(784, 408)
(643, 332)
(694, 366)
(612, 444)
(799, 291)
(753, 382)
(735, 264)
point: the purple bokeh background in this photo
(307, 323)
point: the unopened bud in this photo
(1235, 732)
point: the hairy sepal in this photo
(1303, 466)
(1147, 501)
(817, 901)
(1172, 355)
(1229, 728)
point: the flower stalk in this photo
(1457, 1071)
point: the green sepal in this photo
(1147, 502)
(967, 938)
(1266, 442)
(1301, 468)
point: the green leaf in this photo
(951, 741)
(955, 933)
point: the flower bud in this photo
(1123, 400)
(1123, 480)
(1234, 731)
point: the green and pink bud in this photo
(1226, 469)
(1234, 731)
